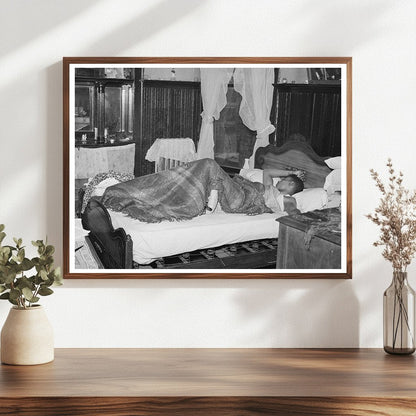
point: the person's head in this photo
(290, 185)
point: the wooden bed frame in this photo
(114, 247)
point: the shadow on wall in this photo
(160, 16)
(54, 144)
(313, 313)
(45, 16)
(301, 314)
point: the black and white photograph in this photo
(224, 168)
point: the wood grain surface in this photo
(212, 381)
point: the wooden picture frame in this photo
(120, 106)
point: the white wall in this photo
(380, 36)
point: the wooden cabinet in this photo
(312, 110)
(166, 109)
(103, 105)
(310, 240)
(116, 105)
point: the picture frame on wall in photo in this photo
(207, 168)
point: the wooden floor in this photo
(212, 382)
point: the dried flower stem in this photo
(396, 216)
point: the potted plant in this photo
(396, 217)
(27, 336)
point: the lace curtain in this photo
(256, 88)
(214, 84)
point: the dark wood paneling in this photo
(312, 110)
(167, 109)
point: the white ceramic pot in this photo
(27, 337)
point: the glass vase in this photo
(399, 316)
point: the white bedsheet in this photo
(151, 241)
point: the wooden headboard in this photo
(294, 155)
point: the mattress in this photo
(167, 238)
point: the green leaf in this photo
(2, 227)
(2, 288)
(4, 256)
(47, 260)
(37, 280)
(58, 276)
(49, 250)
(43, 275)
(5, 250)
(24, 282)
(18, 242)
(11, 248)
(15, 294)
(8, 277)
(7, 297)
(27, 293)
(2, 236)
(37, 243)
(21, 254)
(13, 302)
(45, 291)
(26, 264)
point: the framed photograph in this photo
(207, 168)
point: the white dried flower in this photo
(396, 216)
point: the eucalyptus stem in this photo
(401, 325)
(23, 279)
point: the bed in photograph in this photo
(215, 241)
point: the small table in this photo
(220, 382)
(311, 240)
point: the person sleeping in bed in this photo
(291, 182)
(183, 192)
(278, 198)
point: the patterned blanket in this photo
(182, 193)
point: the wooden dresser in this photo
(210, 382)
(310, 241)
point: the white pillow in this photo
(311, 199)
(333, 181)
(103, 185)
(334, 200)
(334, 162)
(307, 200)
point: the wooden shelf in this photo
(212, 382)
